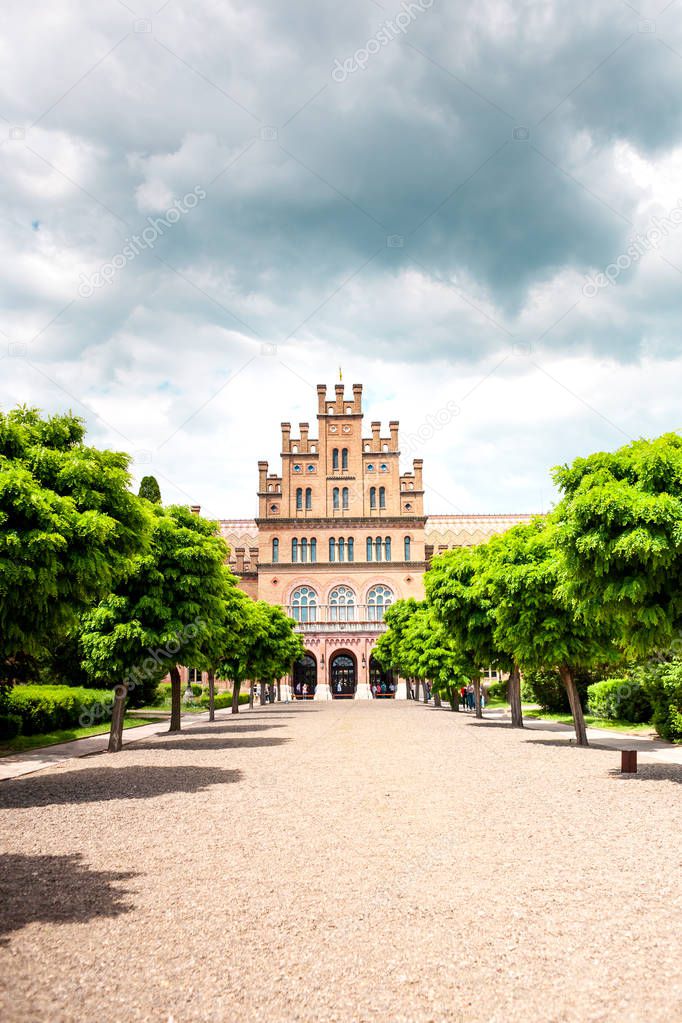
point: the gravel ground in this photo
(342, 862)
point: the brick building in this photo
(340, 535)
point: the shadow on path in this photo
(58, 890)
(98, 784)
(184, 741)
(652, 772)
(227, 729)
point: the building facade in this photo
(340, 535)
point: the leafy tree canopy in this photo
(68, 528)
(621, 537)
(150, 490)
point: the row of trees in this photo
(591, 585)
(135, 588)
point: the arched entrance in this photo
(343, 676)
(381, 682)
(305, 678)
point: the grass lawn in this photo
(27, 742)
(532, 711)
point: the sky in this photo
(474, 210)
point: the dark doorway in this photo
(381, 682)
(343, 678)
(305, 678)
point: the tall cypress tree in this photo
(149, 488)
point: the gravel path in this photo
(344, 862)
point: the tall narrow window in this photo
(369, 548)
(275, 551)
(377, 549)
(299, 498)
(304, 550)
(350, 547)
(342, 549)
(407, 548)
(344, 459)
(335, 498)
(344, 498)
(294, 551)
(335, 458)
(308, 499)
(332, 550)
(372, 497)
(313, 550)
(382, 497)
(387, 549)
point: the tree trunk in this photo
(453, 697)
(117, 715)
(436, 699)
(426, 693)
(271, 692)
(236, 686)
(477, 697)
(176, 699)
(514, 687)
(416, 690)
(262, 694)
(576, 708)
(211, 696)
(252, 692)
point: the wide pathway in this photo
(343, 862)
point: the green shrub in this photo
(663, 686)
(10, 726)
(547, 689)
(499, 690)
(619, 698)
(223, 700)
(196, 689)
(50, 708)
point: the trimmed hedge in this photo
(50, 708)
(663, 686)
(619, 699)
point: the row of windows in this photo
(342, 603)
(341, 549)
(340, 498)
(344, 459)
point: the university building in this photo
(340, 535)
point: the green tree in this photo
(537, 622)
(392, 650)
(455, 588)
(150, 490)
(621, 536)
(68, 529)
(175, 606)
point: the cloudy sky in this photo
(208, 208)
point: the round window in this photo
(408, 506)
(332, 429)
(384, 467)
(346, 429)
(370, 467)
(297, 468)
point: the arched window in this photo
(387, 549)
(372, 497)
(335, 498)
(342, 604)
(308, 499)
(342, 549)
(382, 497)
(344, 459)
(335, 458)
(407, 548)
(370, 547)
(304, 550)
(294, 550)
(299, 498)
(344, 499)
(350, 548)
(304, 604)
(332, 550)
(378, 599)
(313, 550)
(275, 551)
(377, 549)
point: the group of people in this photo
(382, 689)
(468, 698)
